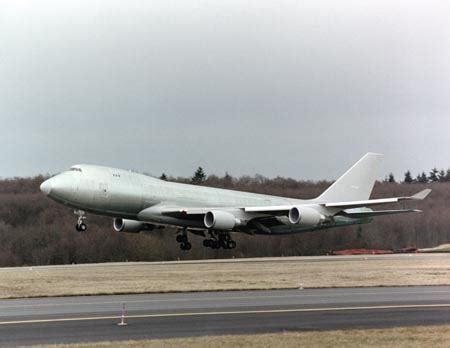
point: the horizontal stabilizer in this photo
(368, 214)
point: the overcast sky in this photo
(291, 88)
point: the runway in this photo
(95, 318)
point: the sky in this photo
(299, 89)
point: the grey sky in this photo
(291, 88)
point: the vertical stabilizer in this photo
(357, 183)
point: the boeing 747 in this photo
(139, 202)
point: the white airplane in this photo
(141, 203)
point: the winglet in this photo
(421, 195)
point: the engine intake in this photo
(131, 226)
(221, 220)
(305, 216)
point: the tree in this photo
(434, 175)
(442, 175)
(199, 176)
(163, 177)
(391, 177)
(228, 180)
(408, 178)
(447, 175)
(422, 178)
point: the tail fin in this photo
(357, 183)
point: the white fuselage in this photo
(125, 194)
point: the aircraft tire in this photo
(83, 227)
(231, 244)
(187, 246)
(206, 243)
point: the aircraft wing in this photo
(344, 208)
(344, 205)
(354, 204)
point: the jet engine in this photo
(221, 220)
(131, 226)
(305, 216)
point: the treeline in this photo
(435, 175)
(34, 230)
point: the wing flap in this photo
(367, 214)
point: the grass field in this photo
(411, 337)
(282, 273)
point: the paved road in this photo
(95, 318)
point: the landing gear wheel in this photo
(207, 243)
(80, 226)
(181, 238)
(185, 246)
(231, 244)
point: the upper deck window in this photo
(75, 169)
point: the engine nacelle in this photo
(131, 226)
(221, 220)
(305, 216)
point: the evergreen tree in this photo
(434, 175)
(447, 175)
(228, 179)
(163, 177)
(408, 178)
(442, 175)
(422, 178)
(391, 178)
(199, 176)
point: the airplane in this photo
(138, 202)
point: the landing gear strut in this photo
(220, 240)
(80, 226)
(183, 240)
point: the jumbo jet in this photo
(139, 202)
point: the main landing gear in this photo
(217, 241)
(80, 226)
(183, 240)
(221, 240)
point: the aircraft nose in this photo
(46, 187)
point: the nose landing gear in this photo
(80, 226)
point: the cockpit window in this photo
(75, 169)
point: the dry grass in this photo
(423, 336)
(170, 277)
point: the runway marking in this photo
(254, 297)
(193, 314)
